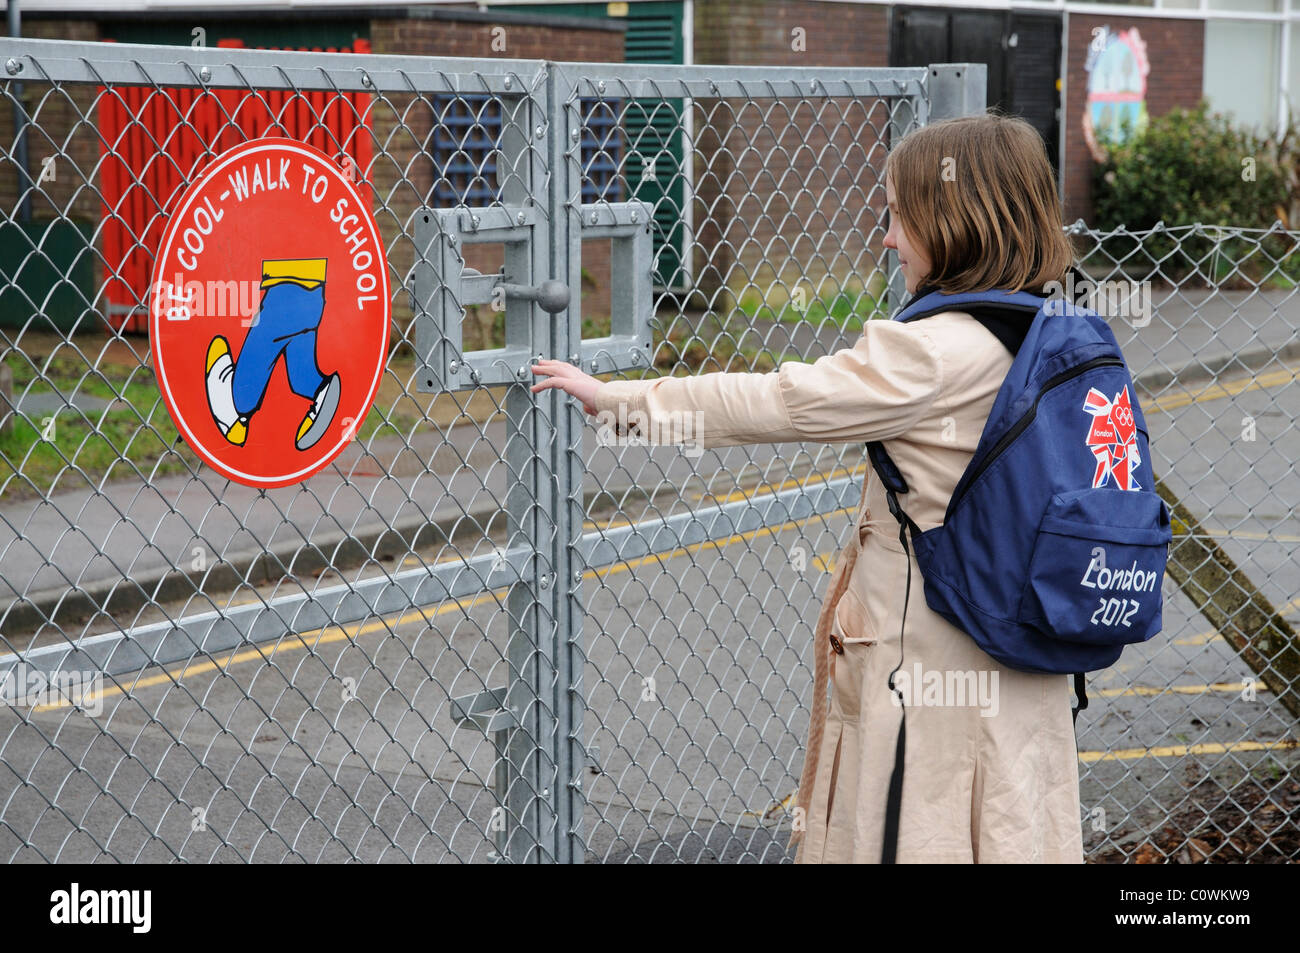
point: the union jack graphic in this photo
(1112, 438)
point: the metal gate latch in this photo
(444, 286)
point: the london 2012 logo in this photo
(269, 312)
(1112, 438)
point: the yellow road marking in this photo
(734, 495)
(1219, 391)
(789, 484)
(289, 642)
(1243, 534)
(785, 804)
(1182, 751)
(1147, 690)
(1212, 635)
(329, 634)
(629, 565)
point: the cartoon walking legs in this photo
(286, 324)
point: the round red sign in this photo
(269, 312)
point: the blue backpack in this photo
(1052, 550)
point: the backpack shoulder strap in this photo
(937, 302)
(1080, 694)
(892, 479)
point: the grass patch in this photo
(132, 438)
(848, 309)
(79, 448)
(699, 344)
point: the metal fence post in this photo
(957, 89)
(528, 797)
(569, 469)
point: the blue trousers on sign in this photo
(285, 324)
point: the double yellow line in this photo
(1211, 635)
(292, 642)
(1175, 401)
(1182, 751)
(331, 634)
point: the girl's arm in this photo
(875, 390)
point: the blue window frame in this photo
(602, 150)
(467, 133)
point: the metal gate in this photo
(416, 654)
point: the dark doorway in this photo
(1021, 50)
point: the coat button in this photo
(837, 645)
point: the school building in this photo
(1070, 68)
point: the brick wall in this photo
(57, 131)
(1175, 50)
(788, 193)
(402, 174)
(760, 32)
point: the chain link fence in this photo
(1191, 755)
(482, 635)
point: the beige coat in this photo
(989, 777)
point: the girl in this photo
(990, 777)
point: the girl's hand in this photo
(569, 379)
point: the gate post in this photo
(564, 145)
(528, 768)
(957, 89)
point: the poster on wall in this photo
(269, 312)
(1117, 69)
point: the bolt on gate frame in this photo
(535, 712)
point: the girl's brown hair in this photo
(976, 193)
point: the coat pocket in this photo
(1097, 565)
(853, 620)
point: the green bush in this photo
(1192, 166)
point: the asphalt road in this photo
(338, 744)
